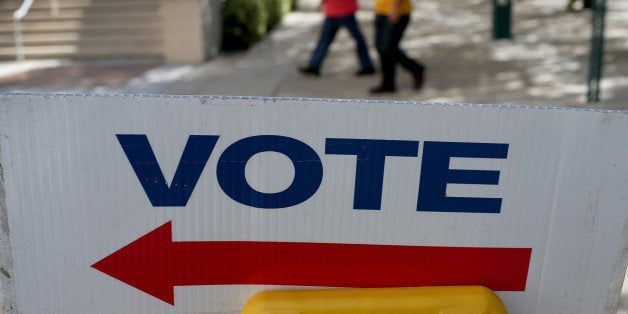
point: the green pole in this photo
(502, 11)
(597, 50)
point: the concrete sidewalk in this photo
(546, 63)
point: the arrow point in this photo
(144, 264)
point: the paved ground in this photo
(546, 63)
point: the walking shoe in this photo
(367, 71)
(309, 71)
(381, 90)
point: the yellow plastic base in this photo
(421, 300)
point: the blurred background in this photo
(525, 52)
(530, 52)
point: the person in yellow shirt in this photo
(391, 19)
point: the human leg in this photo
(328, 32)
(382, 43)
(412, 65)
(416, 68)
(398, 30)
(361, 47)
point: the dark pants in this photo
(328, 32)
(387, 39)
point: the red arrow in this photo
(155, 264)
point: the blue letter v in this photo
(193, 160)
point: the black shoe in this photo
(309, 71)
(382, 90)
(363, 72)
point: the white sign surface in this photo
(159, 204)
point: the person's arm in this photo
(393, 16)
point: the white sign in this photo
(162, 204)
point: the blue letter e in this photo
(435, 175)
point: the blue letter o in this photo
(308, 171)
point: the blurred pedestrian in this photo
(391, 19)
(339, 13)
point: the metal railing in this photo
(17, 28)
(18, 15)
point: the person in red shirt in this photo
(339, 13)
